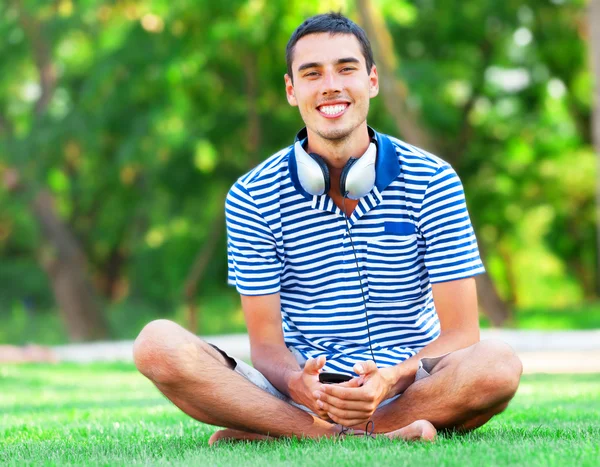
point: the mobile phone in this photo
(333, 378)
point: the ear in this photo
(289, 91)
(373, 82)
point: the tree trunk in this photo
(594, 18)
(63, 258)
(394, 93)
(253, 139)
(65, 265)
(494, 307)
(110, 283)
(198, 270)
(509, 273)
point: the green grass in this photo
(109, 414)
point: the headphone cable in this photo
(359, 275)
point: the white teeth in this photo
(332, 109)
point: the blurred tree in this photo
(140, 148)
(395, 94)
(594, 40)
(500, 91)
(135, 118)
(62, 257)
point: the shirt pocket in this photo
(393, 268)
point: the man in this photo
(371, 277)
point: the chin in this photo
(335, 134)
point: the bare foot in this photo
(421, 430)
(229, 434)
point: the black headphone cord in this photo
(359, 275)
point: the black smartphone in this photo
(333, 378)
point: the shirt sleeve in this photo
(450, 245)
(254, 267)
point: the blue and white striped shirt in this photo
(410, 231)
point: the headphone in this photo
(356, 180)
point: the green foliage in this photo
(110, 414)
(506, 90)
(583, 316)
(23, 323)
(158, 108)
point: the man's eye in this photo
(311, 73)
(348, 68)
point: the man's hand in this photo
(305, 384)
(354, 402)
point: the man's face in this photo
(332, 85)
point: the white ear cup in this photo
(356, 180)
(310, 173)
(360, 178)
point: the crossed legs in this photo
(464, 390)
(198, 380)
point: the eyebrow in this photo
(339, 61)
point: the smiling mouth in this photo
(333, 110)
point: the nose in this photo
(331, 83)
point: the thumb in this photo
(313, 365)
(364, 368)
(353, 383)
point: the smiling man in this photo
(354, 257)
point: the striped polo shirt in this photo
(410, 231)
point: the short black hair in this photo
(333, 23)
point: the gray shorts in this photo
(426, 365)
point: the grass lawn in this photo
(108, 414)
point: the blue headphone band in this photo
(344, 175)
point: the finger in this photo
(321, 413)
(348, 422)
(365, 368)
(346, 414)
(343, 404)
(321, 360)
(353, 383)
(313, 365)
(350, 394)
(310, 366)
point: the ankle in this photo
(326, 429)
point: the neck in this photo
(336, 152)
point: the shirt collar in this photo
(387, 166)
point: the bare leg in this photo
(198, 380)
(465, 390)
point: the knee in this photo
(499, 373)
(157, 349)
